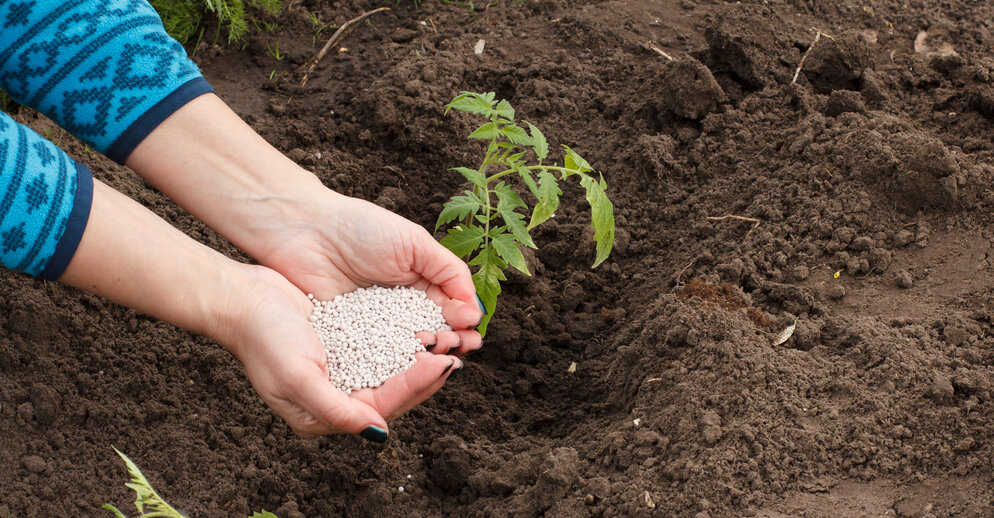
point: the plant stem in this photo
(533, 168)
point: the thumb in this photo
(336, 412)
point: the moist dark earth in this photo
(867, 184)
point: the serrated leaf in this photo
(601, 216)
(539, 144)
(471, 102)
(526, 177)
(144, 494)
(463, 240)
(516, 134)
(487, 131)
(506, 145)
(548, 199)
(506, 247)
(458, 208)
(487, 279)
(575, 161)
(507, 202)
(478, 178)
(504, 109)
(515, 157)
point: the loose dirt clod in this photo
(369, 333)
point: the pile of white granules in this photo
(369, 333)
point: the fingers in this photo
(409, 388)
(442, 268)
(468, 341)
(333, 410)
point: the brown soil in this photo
(875, 165)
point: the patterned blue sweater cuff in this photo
(45, 201)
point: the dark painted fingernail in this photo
(482, 307)
(429, 347)
(447, 369)
(374, 433)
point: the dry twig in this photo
(676, 281)
(334, 40)
(755, 222)
(818, 35)
(652, 46)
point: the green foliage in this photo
(274, 51)
(318, 26)
(182, 18)
(146, 497)
(490, 227)
(8, 104)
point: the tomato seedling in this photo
(490, 231)
(148, 501)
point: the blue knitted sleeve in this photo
(44, 202)
(105, 70)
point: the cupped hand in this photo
(286, 363)
(333, 244)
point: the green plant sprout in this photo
(181, 18)
(145, 496)
(497, 242)
(318, 25)
(274, 51)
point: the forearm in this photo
(226, 175)
(131, 256)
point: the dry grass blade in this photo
(818, 35)
(334, 40)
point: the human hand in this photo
(269, 331)
(332, 244)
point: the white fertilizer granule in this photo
(369, 333)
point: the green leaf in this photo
(507, 248)
(487, 281)
(515, 157)
(507, 201)
(526, 177)
(463, 240)
(487, 131)
(458, 208)
(575, 161)
(601, 216)
(144, 494)
(548, 199)
(504, 110)
(478, 178)
(516, 134)
(471, 102)
(506, 145)
(539, 144)
(109, 507)
(263, 514)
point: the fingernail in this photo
(429, 347)
(447, 369)
(482, 307)
(374, 433)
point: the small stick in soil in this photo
(755, 222)
(335, 38)
(652, 46)
(676, 281)
(818, 35)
